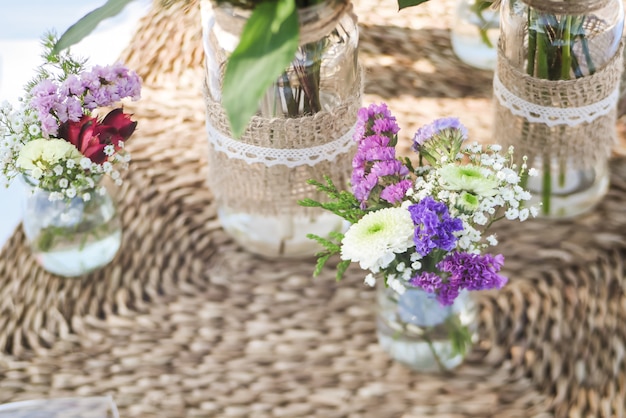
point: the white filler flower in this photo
(374, 241)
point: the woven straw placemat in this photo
(184, 323)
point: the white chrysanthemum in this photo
(468, 178)
(49, 151)
(370, 280)
(375, 240)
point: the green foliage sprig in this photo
(342, 203)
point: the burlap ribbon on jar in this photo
(265, 172)
(571, 120)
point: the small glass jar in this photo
(416, 330)
(258, 180)
(474, 33)
(566, 129)
(71, 237)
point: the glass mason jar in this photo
(557, 88)
(474, 33)
(416, 330)
(71, 237)
(302, 130)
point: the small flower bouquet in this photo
(65, 136)
(424, 229)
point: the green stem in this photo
(546, 189)
(562, 170)
(566, 49)
(543, 49)
(431, 346)
(532, 45)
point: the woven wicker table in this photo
(184, 323)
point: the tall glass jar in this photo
(71, 237)
(302, 130)
(416, 330)
(557, 87)
(474, 33)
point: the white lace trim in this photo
(291, 157)
(553, 116)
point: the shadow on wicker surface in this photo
(185, 323)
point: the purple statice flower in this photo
(60, 110)
(90, 80)
(362, 186)
(374, 164)
(74, 109)
(385, 126)
(394, 193)
(110, 84)
(434, 227)
(427, 132)
(474, 271)
(44, 95)
(383, 168)
(428, 281)
(72, 86)
(130, 85)
(49, 125)
(447, 293)
(373, 112)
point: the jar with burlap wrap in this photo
(301, 131)
(556, 89)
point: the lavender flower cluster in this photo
(59, 102)
(377, 174)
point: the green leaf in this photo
(267, 45)
(403, 4)
(86, 24)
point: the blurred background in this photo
(22, 23)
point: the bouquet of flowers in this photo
(66, 135)
(424, 227)
(55, 136)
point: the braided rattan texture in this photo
(184, 323)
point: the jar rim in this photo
(567, 7)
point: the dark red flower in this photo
(91, 136)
